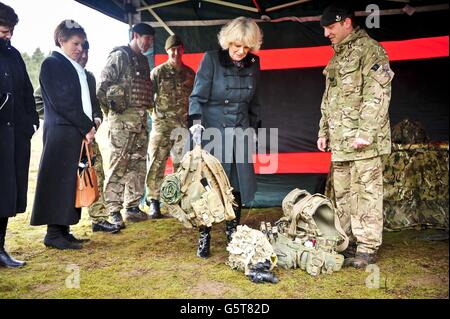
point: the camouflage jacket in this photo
(172, 89)
(125, 89)
(356, 99)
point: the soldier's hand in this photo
(90, 136)
(322, 144)
(359, 143)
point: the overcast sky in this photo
(39, 18)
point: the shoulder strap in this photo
(291, 199)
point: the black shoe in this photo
(361, 260)
(203, 243)
(350, 251)
(135, 215)
(7, 261)
(60, 242)
(75, 240)
(105, 226)
(155, 210)
(116, 218)
(72, 238)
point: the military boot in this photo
(105, 226)
(204, 242)
(134, 214)
(350, 251)
(116, 218)
(155, 212)
(361, 260)
(231, 225)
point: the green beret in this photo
(336, 12)
(173, 41)
(143, 29)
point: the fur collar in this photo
(225, 59)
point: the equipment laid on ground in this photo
(252, 253)
(309, 236)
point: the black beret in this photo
(336, 12)
(143, 29)
(173, 41)
(85, 45)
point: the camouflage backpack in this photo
(309, 235)
(409, 132)
(199, 193)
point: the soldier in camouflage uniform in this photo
(355, 126)
(97, 210)
(172, 84)
(124, 93)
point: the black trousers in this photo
(3, 226)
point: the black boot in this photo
(204, 242)
(116, 218)
(231, 225)
(5, 259)
(105, 226)
(155, 211)
(134, 214)
(72, 238)
(55, 238)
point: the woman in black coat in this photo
(18, 122)
(68, 119)
(225, 99)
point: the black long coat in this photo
(65, 126)
(17, 117)
(226, 98)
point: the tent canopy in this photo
(293, 55)
(200, 10)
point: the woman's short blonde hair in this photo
(243, 30)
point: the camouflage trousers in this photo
(358, 188)
(97, 211)
(125, 181)
(161, 146)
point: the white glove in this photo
(196, 131)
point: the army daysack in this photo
(309, 236)
(409, 132)
(199, 193)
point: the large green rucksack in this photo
(309, 235)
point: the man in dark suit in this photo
(18, 122)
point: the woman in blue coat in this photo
(225, 101)
(18, 122)
(68, 119)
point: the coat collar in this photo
(64, 60)
(225, 59)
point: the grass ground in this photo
(156, 259)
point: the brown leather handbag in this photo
(87, 191)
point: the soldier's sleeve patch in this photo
(381, 73)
